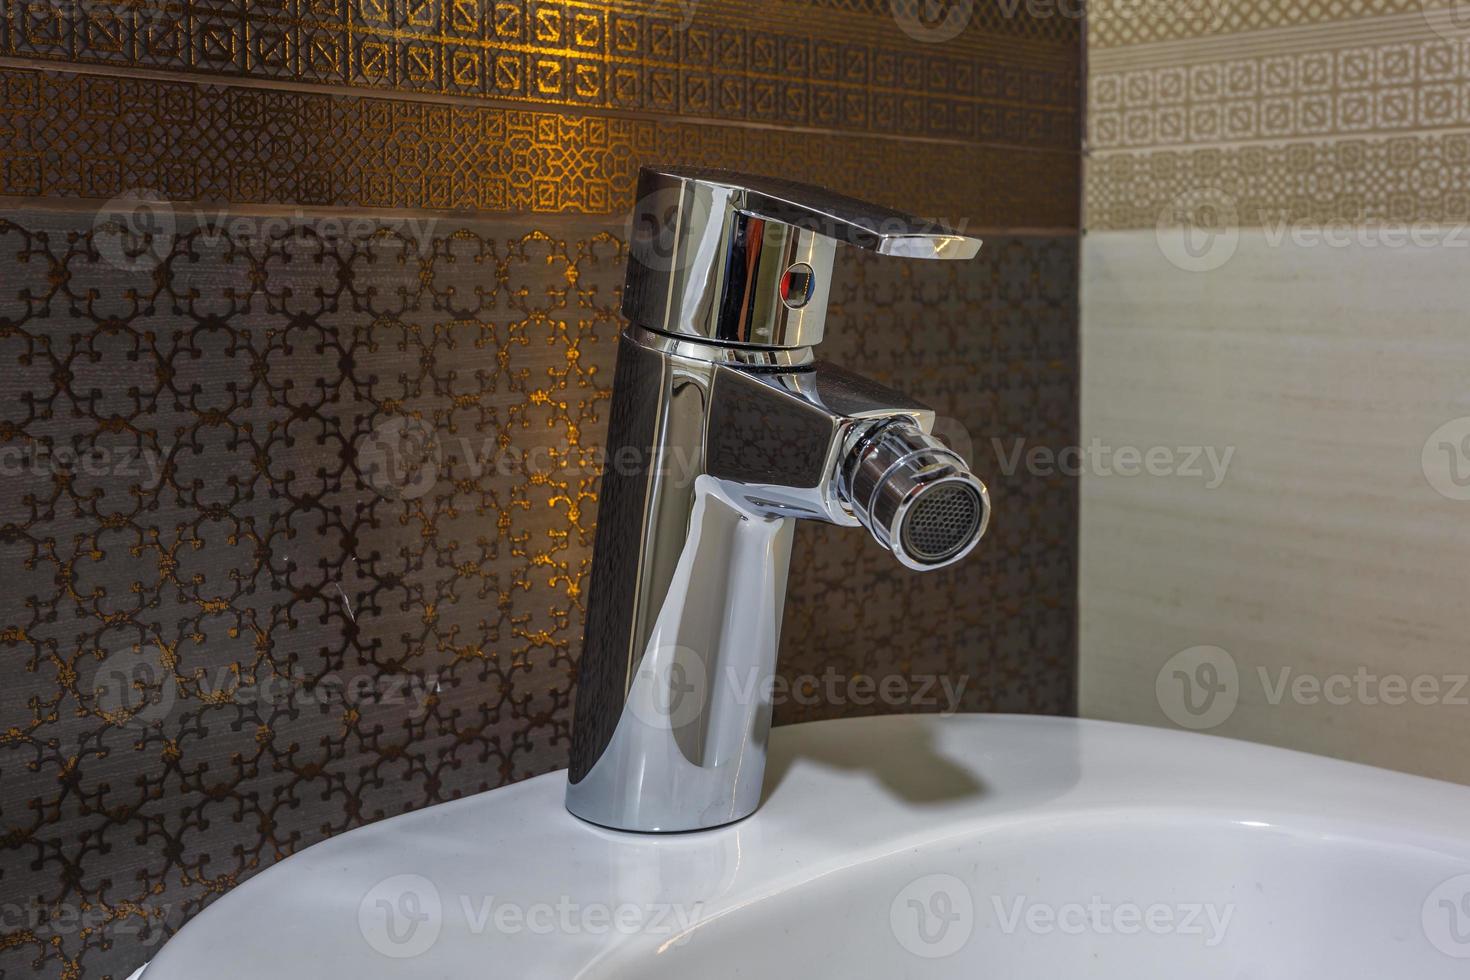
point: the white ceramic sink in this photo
(896, 847)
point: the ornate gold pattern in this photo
(261, 366)
(584, 56)
(257, 146)
(987, 22)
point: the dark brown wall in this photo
(307, 313)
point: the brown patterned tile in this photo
(210, 481)
(260, 456)
(579, 55)
(258, 146)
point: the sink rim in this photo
(839, 793)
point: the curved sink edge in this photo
(539, 791)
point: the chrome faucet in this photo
(724, 430)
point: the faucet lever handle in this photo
(837, 216)
(747, 260)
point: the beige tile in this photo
(1325, 550)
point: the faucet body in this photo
(724, 430)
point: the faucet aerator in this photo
(916, 496)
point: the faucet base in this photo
(689, 751)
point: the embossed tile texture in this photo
(1321, 335)
(1404, 85)
(298, 519)
(844, 65)
(77, 136)
(1350, 113)
(299, 511)
(1408, 179)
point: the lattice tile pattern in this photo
(1361, 89)
(326, 493)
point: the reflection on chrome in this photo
(724, 430)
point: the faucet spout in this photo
(688, 748)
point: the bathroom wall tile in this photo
(1123, 23)
(1334, 545)
(256, 459)
(1341, 84)
(1413, 178)
(1280, 280)
(602, 56)
(246, 146)
(289, 438)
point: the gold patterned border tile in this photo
(1117, 23)
(588, 56)
(94, 136)
(1405, 85)
(1058, 22)
(1419, 178)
